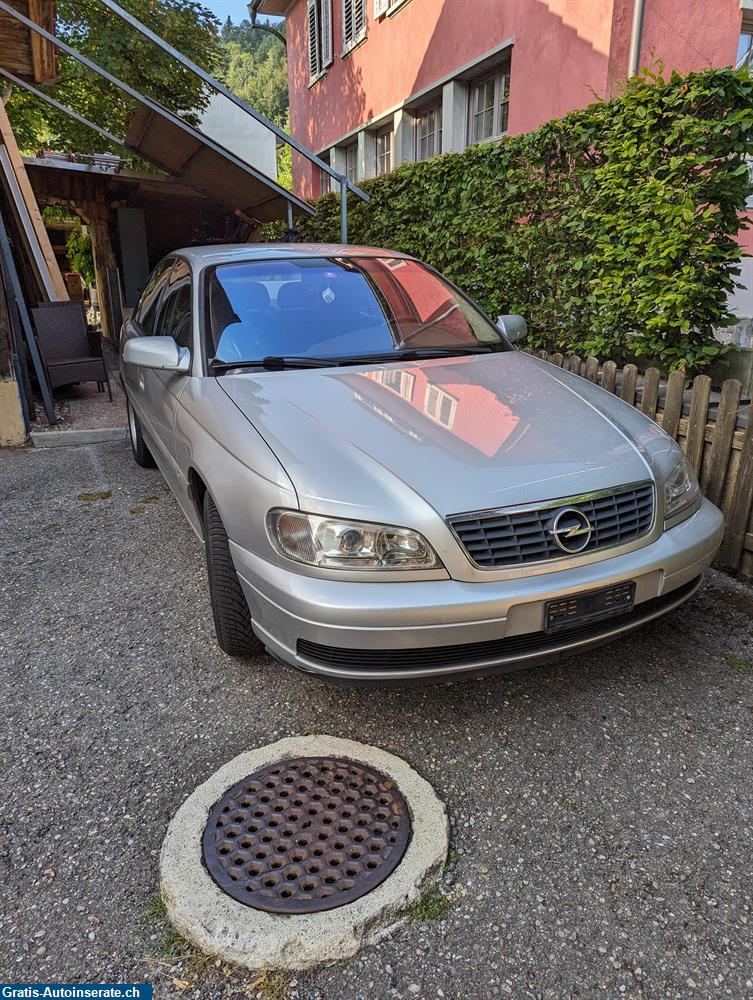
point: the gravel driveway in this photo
(601, 808)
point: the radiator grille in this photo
(517, 536)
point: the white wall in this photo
(741, 300)
(237, 131)
(741, 305)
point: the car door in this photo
(174, 319)
(138, 381)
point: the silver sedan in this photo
(386, 489)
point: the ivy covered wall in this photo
(611, 230)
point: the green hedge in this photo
(611, 230)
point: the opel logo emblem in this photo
(571, 530)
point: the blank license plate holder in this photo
(591, 606)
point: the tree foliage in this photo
(611, 230)
(78, 247)
(260, 77)
(255, 67)
(253, 63)
(97, 33)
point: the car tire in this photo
(141, 454)
(232, 619)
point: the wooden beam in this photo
(8, 139)
(44, 55)
(97, 215)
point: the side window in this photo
(146, 311)
(175, 314)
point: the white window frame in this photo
(397, 380)
(433, 400)
(351, 165)
(434, 111)
(325, 178)
(318, 37)
(746, 32)
(500, 77)
(354, 23)
(382, 7)
(379, 158)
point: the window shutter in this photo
(359, 19)
(354, 22)
(326, 33)
(347, 23)
(380, 7)
(313, 38)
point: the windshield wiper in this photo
(409, 354)
(278, 363)
(274, 363)
(440, 352)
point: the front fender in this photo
(216, 441)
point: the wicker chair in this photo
(70, 353)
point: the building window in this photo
(384, 151)
(382, 7)
(440, 406)
(428, 126)
(397, 379)
(325, 179)
(319, 26)
(489, 106)
(351, 162)
(354, 23)
(745, 44)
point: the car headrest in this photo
(296, 295)
(252, 295)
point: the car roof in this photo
(226, 253)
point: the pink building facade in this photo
(376, 83)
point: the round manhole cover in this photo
(306, 835)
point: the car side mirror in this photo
(514, 327)
(161, 353)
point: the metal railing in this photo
(292, 201)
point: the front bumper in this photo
(295, 615)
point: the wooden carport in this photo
(32, 58)
(175, 214)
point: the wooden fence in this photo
(714, 429)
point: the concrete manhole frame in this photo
(215, 923)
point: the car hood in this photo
(464, 434)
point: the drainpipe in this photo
(636, 37)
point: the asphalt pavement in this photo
(601, 808)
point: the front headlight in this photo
(335, 544)
(681, 492)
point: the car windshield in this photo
(338, 308)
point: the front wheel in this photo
(232, 619)
(141, 454)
